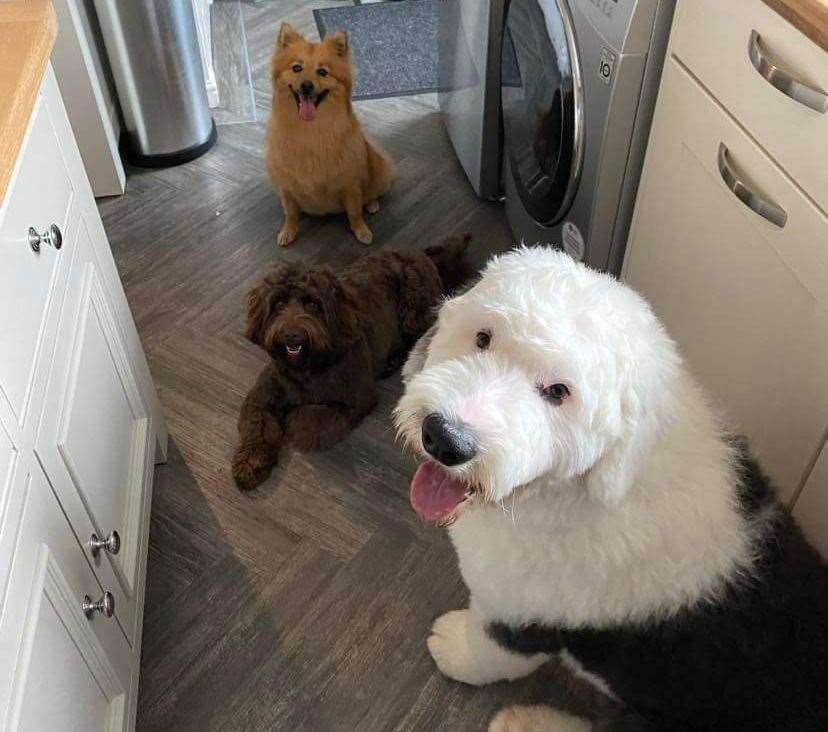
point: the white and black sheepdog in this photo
(601, 511)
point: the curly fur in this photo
(621, 524)
(330, 336)
(327, 164)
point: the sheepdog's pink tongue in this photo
(434, 493)
(307, 109)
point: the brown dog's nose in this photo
(293, 338)
(306, 87)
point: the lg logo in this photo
(606, 66)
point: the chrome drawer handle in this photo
(105, 606)
(766, 209)
(52, 237)
(815, 99)
(111, 544)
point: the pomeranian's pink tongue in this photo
(307, 109)
(434, 493)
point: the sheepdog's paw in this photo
(463, 651)
(363, 234)
(372, 206)
(536, 719)
(286, 236)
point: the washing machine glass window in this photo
(542, 102)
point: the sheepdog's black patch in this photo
(754, 659)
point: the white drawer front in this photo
(95, 439)
(58, 669)
(746, 301)
(712, 39)
(40, 195)
(811, 509)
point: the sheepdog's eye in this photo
(296, 68)
(483, 339)
(311, 304)
(322, 72)
(555, 393)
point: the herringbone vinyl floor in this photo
(304, 605)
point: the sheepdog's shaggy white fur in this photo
(614, 505)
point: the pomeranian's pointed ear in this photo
(339, 40)
(287, 35)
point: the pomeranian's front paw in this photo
(372, 206)
(363, 234)
(251, 465)
(287, 235)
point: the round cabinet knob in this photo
(52, 237)
(105, 606)
(111, 544)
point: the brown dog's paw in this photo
(315, 427)
(251, 465)
(286, 236)
(363, 234)
(372, 206)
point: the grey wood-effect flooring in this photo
(305, 604)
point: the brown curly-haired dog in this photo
(330, 336)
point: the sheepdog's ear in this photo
(611, 477)
(287, 35)
(417, 358)
(339, 41)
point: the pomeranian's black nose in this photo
(306, 87)
(448, 442)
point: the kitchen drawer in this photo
(58, 668)
(39, 196)
(712, 39)
(746, 300)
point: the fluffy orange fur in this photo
(318, 157)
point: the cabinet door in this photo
(811, 508)
(59, 670)
(40, 195)
(95, 440)
(744, 298)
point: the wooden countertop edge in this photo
(809, 16)
(17, 107)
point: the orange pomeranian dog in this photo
(318, 158)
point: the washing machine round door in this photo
(543, 106)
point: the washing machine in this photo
(578, 85)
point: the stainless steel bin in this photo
(153, 50)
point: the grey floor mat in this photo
(394, 45)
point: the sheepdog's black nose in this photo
(306, 87)
(448, 442)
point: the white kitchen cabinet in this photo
(80, 428)
(744, 293)
(61, 670)
(811, 508)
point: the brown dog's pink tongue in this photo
(434, 493)
(307, 109)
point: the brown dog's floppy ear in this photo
(287, 35)
(341, 313)
(339, 40)
(258, 311)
